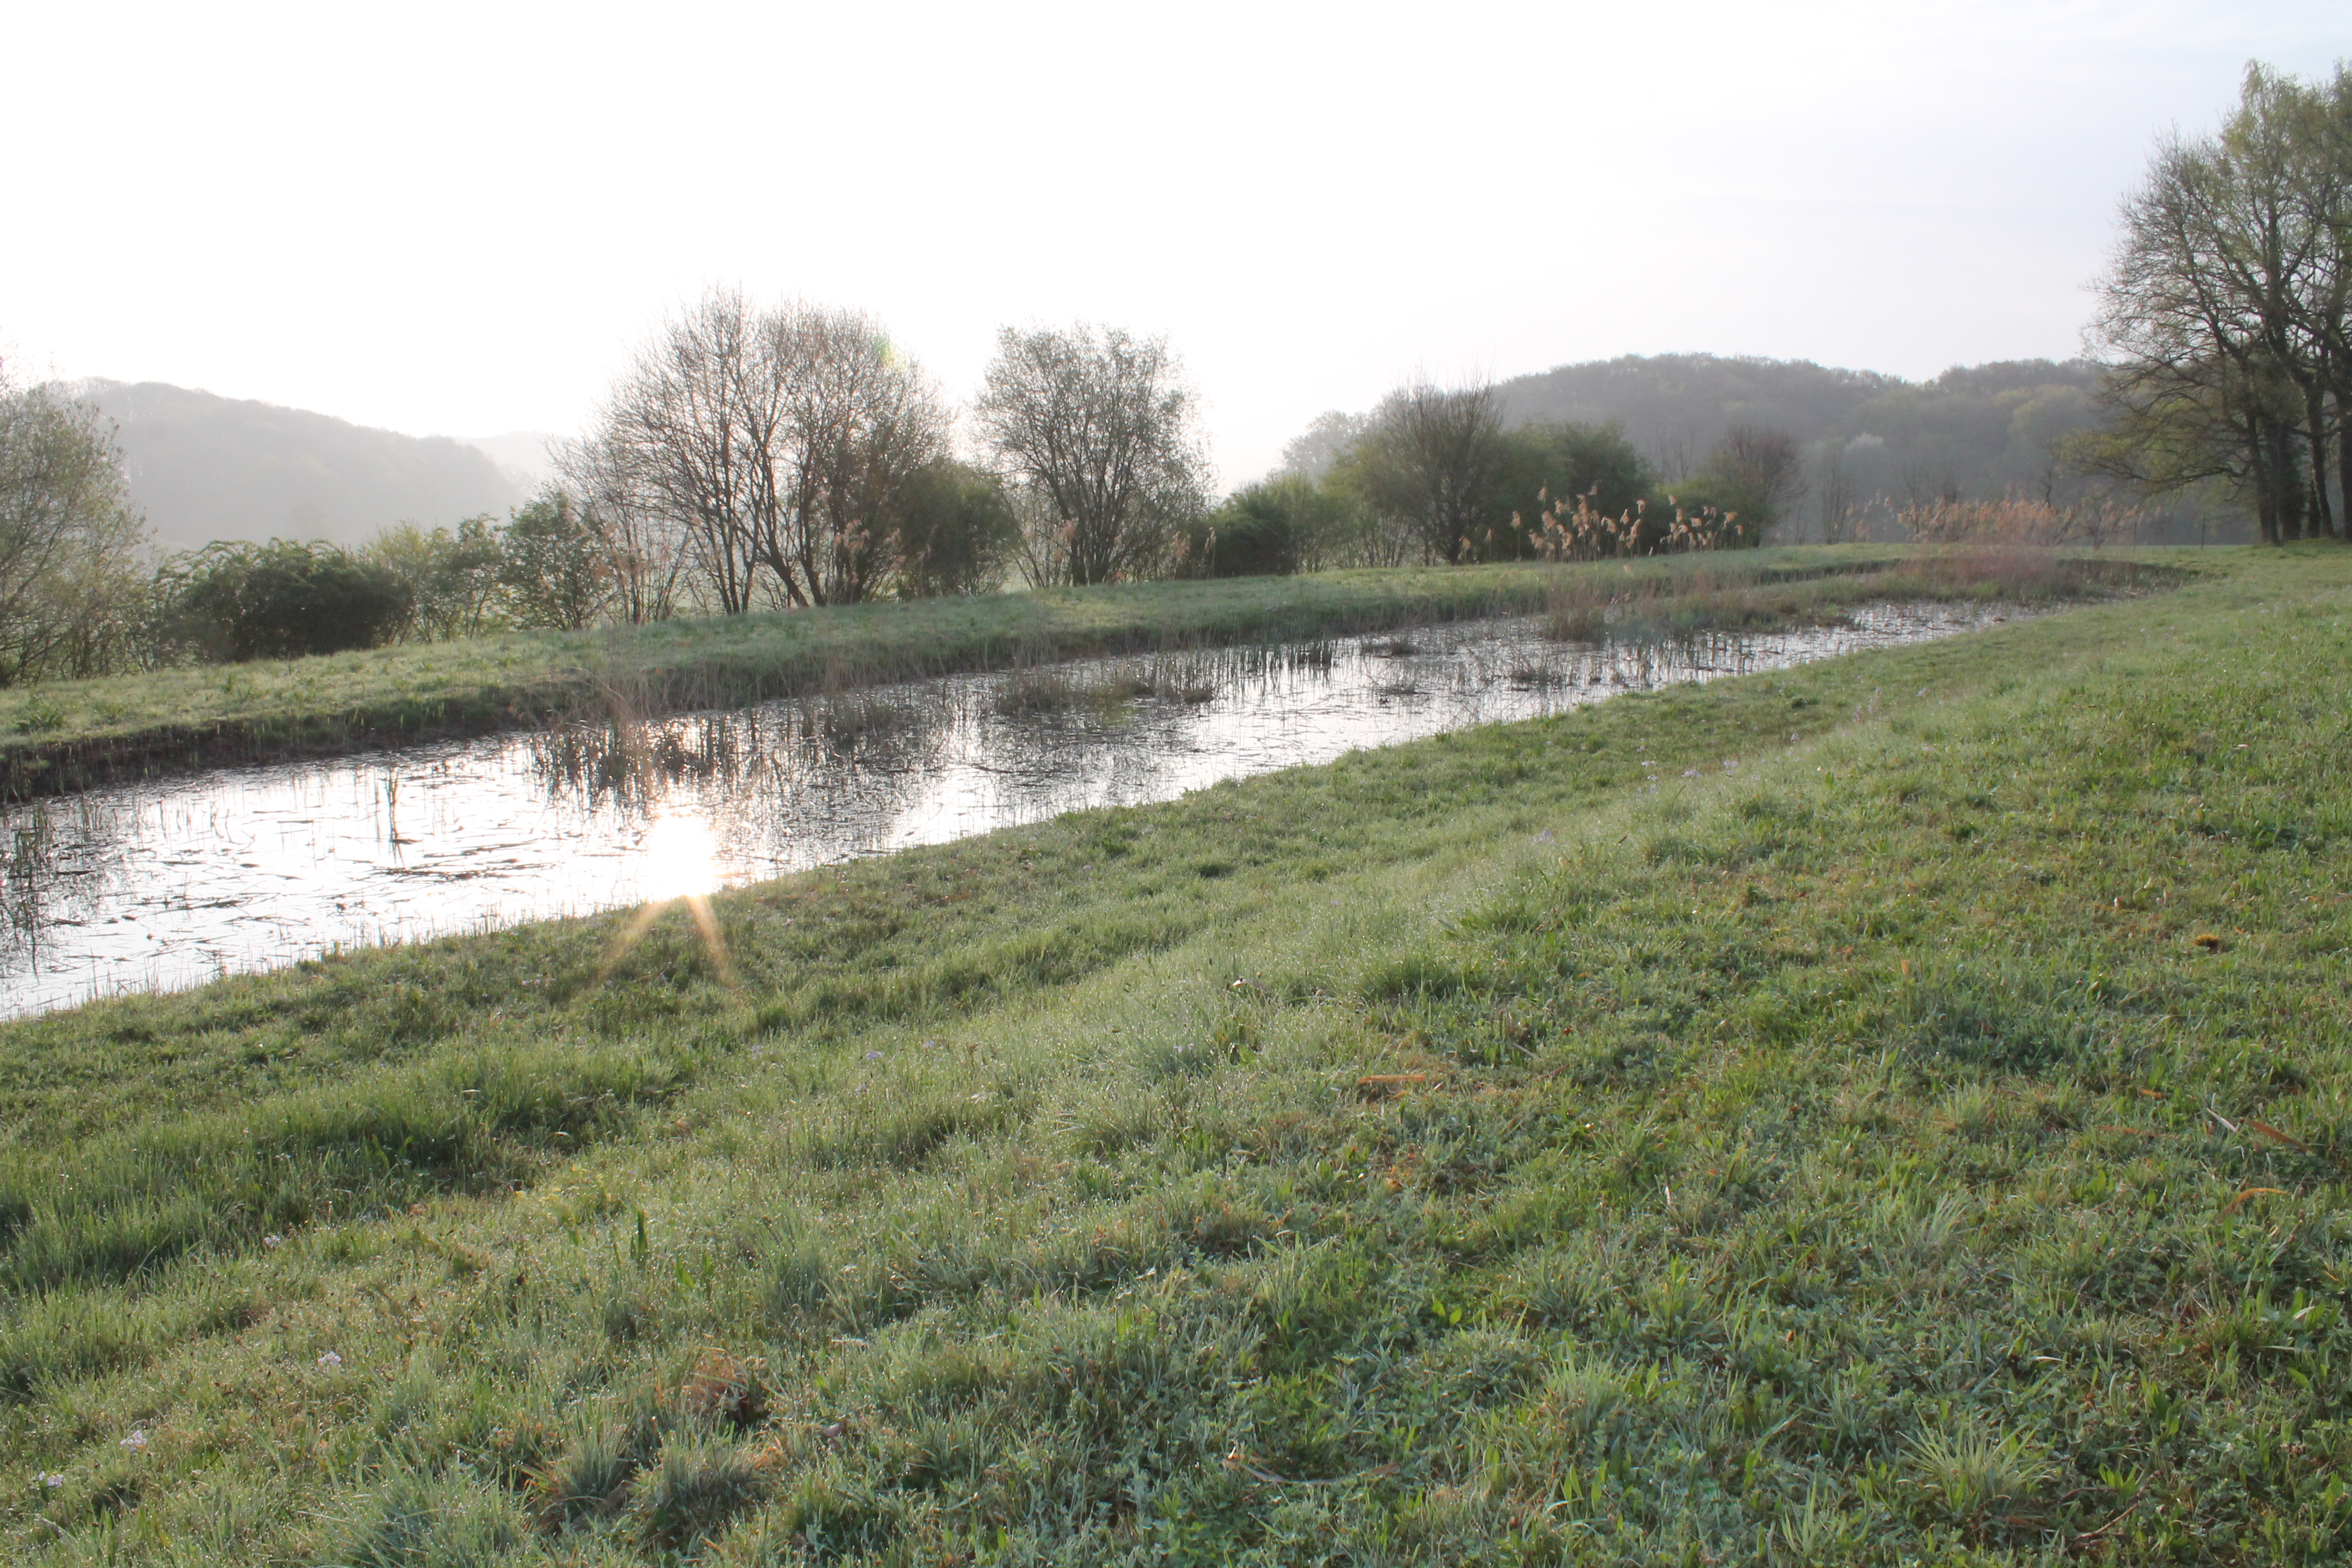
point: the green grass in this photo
(1923, 1141)
(61, 735)
(1719, 595)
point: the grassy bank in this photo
(63, 735)
(1890, 1110)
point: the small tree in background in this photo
(1752, 477)
(755, 456)
(1101, 432)
(555, 564)
(453, 583)
(1280, 525)
(1429, 465)
(1834, 492)
(1311, 453)
(71, 587)
(1543, 463)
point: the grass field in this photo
(61, 735)
(1893, 1111)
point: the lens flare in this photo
(678, 858)
(678, 863)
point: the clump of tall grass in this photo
(844, 724)
(2020, 520)
(1572, 528)
(1043, 692)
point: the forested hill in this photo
(1977, 430)
(206, 468)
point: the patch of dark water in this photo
(170, 884)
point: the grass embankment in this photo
(64, 735)
(1923, 1143)
(1720, 593)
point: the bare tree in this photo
(71, 542)
(1101, 432)
(754, 454)
(1311, 453)
(641, 547)
(1673, 457)
(860, 422)
(1765, 469)
(1430, 464)
(1833, 489)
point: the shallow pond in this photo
(172, 883)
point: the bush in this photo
(1275, 527)
(553, 568)
(453, 584)
(232, 601)
(1554, 469)
(955, 526)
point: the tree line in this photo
(2225, 318)
(1438, 474)
(793, 455)
(780, 456)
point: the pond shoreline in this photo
(167, 883)
(65, 737)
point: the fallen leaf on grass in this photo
(1380, 1085)
(2275, 1136)
(2231, 1206)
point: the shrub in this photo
(453, 584)
(955, 526)
(1275, 527)
(554, 569)
(232, 601)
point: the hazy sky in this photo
(460, 218)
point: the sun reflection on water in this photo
(678, 858)
(678, 861)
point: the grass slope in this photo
(63, 734)
(1923, 1141)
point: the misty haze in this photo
(798, 787)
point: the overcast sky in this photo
(459, 219)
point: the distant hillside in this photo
(1976, 431)
(206, 468)
(524, 457)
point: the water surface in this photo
(172, 883)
